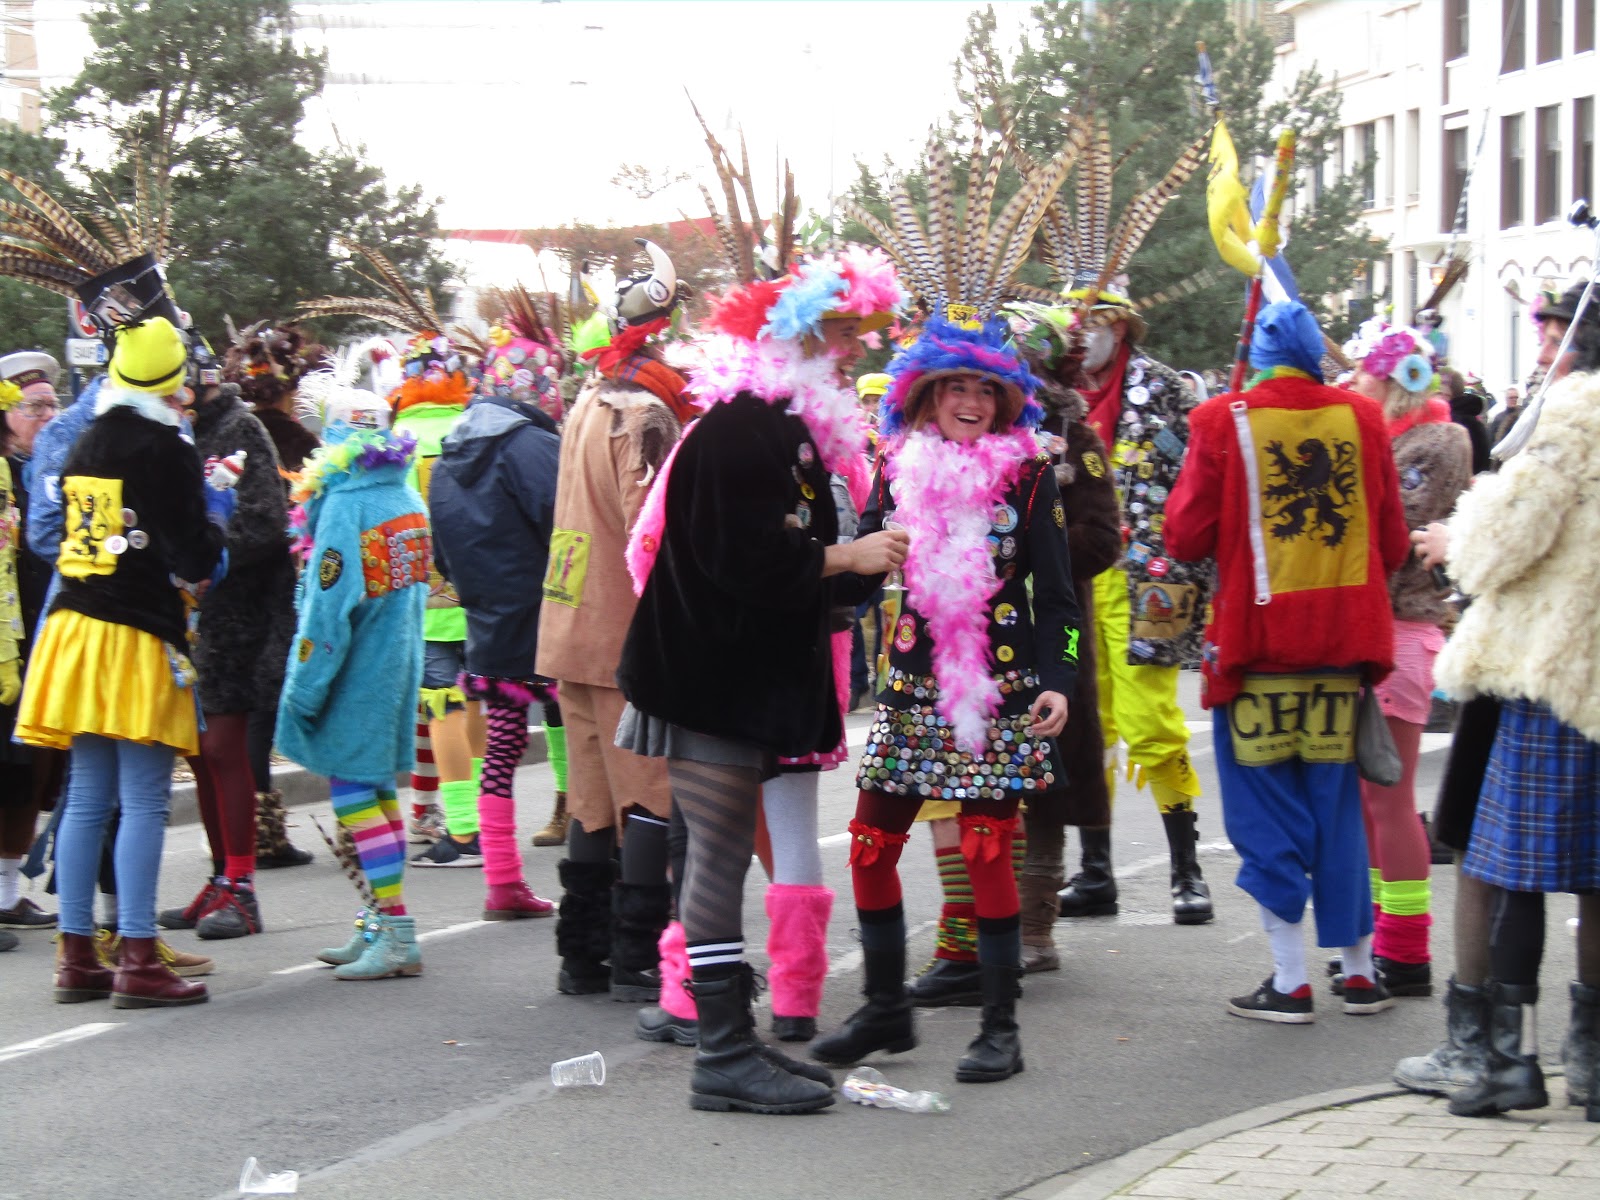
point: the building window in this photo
(1513, 36)
(1413, 155)
(1547, 172)
(1583, 149)
(1367, 161)
(1511, 157)
(1549, 43)
(1455, 28)
(1519, 330)
(1582, 25)
(1455, 175)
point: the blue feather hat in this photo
(945, 348)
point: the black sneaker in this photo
(1401, 979)
(1363, 997)
(236, 914)
(1267, 1003)
(447, 852)
(25, 914)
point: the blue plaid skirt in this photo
(1538, 822)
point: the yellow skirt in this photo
(91, 676)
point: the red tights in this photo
(225, 788)
(879, 833)
(1396, 844)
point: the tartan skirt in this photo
(1538, 822)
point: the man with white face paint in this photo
(1148, 608)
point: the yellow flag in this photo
(1226, 208)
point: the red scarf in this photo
(624, 360)
(1105, 401)
(1434, 412)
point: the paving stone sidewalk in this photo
(1395, 1145)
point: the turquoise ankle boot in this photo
(391, 950)
(338, 956)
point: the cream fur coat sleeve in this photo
(1525, 545)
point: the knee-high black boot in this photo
(1191, 898)
(639, 912)
(885, 1021)
(1092, 891)
(730, 1071)
(996, 1053)
(1512, 1078)
(583, 927)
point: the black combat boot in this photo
(1191, 898)
(1092, 892)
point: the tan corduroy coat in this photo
(1525, 545)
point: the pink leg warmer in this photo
(1403, 938)
(497, 834)
(797, 944)
(674, 971)
(841, 671)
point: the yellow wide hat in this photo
(149, 356)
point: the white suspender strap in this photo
(1252, 475)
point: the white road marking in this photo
(51, 1040)
(447, 931)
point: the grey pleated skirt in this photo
(655, 738)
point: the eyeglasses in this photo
(39, 408)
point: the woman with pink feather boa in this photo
(979, 673)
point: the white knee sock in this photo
(1288, 952)
(108, 910)
(10, 882)
(790, 804)
(1357, 959)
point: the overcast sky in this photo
(517, 114)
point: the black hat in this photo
(1566, 308)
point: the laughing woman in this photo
(978, 675)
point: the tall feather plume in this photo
(915, 241)
(983, 176)
(743, 260)
(393, 282)
(47, 273)
(1094, 198)
(1013, 232)
(729, 247)
(941, 226)
(912, 272)
(1141, 213)
(788, 214)
(86, 250)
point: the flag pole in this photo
(1266, 233)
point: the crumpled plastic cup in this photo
(253, 1181)
(589, 1070)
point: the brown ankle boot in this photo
(1039, 910)
(555, 833)
(79, 975)
(273, 847)
(144, 981)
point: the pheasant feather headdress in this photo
(752, 247)
(435, 372)
(116, 270)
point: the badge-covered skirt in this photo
(912, 752)
(92, 676)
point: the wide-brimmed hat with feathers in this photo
(960, 265)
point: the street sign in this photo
(86, 352)
(82, 326)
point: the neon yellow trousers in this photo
(1139, 705)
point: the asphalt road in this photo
(439, 1086)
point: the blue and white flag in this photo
(1277, 280)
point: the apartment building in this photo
(1492, 101)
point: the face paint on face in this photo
(1100, 344)
(964, 407)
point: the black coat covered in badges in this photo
(731, 635)
(33, 582)
(247, 620)
(492, 504)
(134, 516)
(1033, 647)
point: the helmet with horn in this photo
(650, 296)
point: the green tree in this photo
(207, 96)
(1133, 62)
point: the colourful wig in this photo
(946, 349)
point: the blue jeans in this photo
(104, 772)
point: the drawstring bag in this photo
(1377, 757)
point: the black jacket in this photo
(491, 503)
(129, 475)
(292, 440)
(247, 620)
(731, 635)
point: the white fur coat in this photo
(1525, 544)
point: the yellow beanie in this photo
(149, 357)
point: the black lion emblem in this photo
(1313, 493)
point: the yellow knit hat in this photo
(149, 357)
(874, 383)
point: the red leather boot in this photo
(79, 975)
(144, 981)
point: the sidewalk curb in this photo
(301, 788)
(1103, 1180)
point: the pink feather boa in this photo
(775, 371)
(945, 496)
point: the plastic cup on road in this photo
(588, 1070)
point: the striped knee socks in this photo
(379, 836)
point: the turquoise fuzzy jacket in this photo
(350, 692)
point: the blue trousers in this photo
(104, 773)
(1298, 828)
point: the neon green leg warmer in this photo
(459, 797)
(555, 741)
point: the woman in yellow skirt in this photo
(109, 678)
